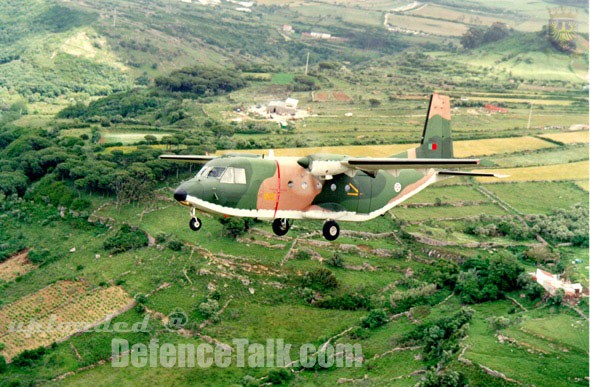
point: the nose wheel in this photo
(195, 224)
(280, 226)
(331, 230)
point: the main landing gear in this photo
(195, 223)
(331, 229)
(280, 226)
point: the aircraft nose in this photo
(180, 194)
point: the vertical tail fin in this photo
(436, 138)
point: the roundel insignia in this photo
(397, 187)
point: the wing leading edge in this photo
(188, 158)
(374, 164)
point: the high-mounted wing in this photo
(188, 158)
(474, 174)
(374, 164)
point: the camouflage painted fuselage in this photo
(281, 188)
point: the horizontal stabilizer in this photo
(374, 164)
(188, 158)
(474, 174)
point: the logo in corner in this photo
(562, 26)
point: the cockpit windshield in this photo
(211, 172)
(228, 175)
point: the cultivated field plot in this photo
(453, 194)
(558, 155)
(571, 171)
(424, 213)
(56, 312)
(569, 137)
(493, 146)
(583, 184)
(467, 148)
(425, 25)
(15, 266)
(352, 150)
(128, 138)
(552, 348)
(438, 12)
(539, 197)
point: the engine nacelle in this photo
(322, 167)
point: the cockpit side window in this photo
(234, 176)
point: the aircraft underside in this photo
(282, 219)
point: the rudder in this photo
(436, 137)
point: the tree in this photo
(475, 37)
(150, 139)
(374, 102)
(503, 271)
(444, 274)
(13, 183)
(133, 184)
(468, 286)
(472, 38)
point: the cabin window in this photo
(239, 175)
(234, 176)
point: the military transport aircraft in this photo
(322, 186)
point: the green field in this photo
(89, 228)
(540, 197)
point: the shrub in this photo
(303, 255)
(37, 257)
(279, 376)
(80, 204)
(127, 238)
(29, 357)
(376, 318)
(402, 301)
(352, 301)
(175, 245)
(498, 322)
(335, 261)
(234, 227)
(443, 379)
(320, 279)
(209, 309)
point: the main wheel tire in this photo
(331, 230)
(195, 224)
(280, 226)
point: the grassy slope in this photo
(279, 312)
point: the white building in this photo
(289, 106)
(551, 283)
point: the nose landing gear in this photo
(195, 223)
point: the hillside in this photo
(94, 249)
